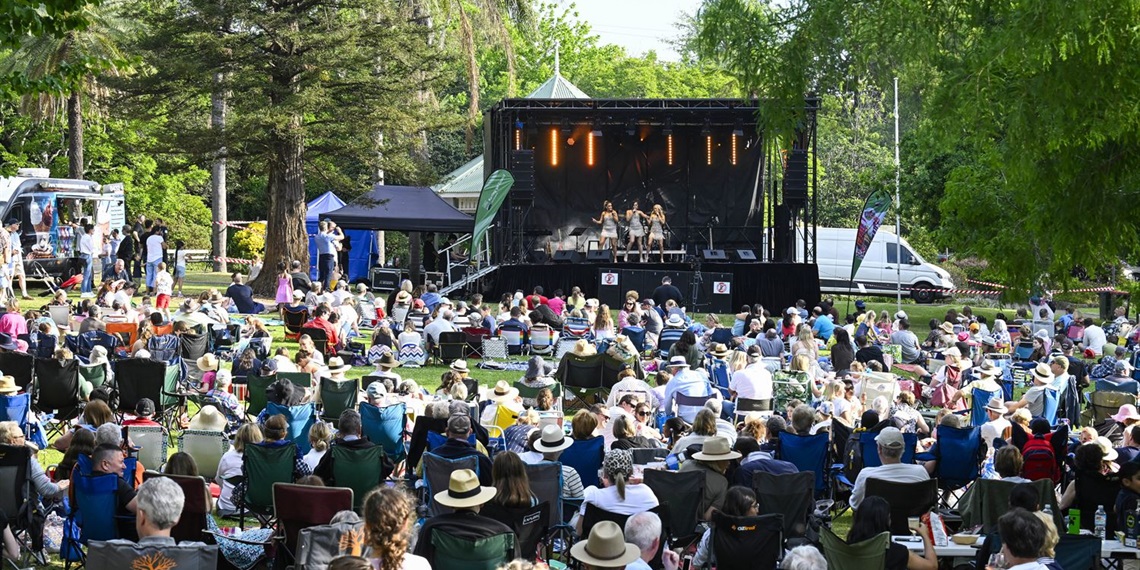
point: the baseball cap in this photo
(376, 390)
(890, 437)
(860, 304)
(269, 365)
(298, 294)
(144, 407)
(458, 424)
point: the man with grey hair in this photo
(109, 434)
(440, 325)
(644, 531)
(348, 437)
(891, 447)
(160, 502)
(804, 558)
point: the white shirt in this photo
(87, 244)
(638, 499)
(154, 248)
(636, 386)
(992, 430)
(313, 457)
(410, 562)
(437, 326)
(229, 466)
(753, 382)
(895, 472)
(408, 338)
(164, 283)
(1095, 339)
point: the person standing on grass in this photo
(179, 265)
(164, 286)
(155, 249)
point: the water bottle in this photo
(1100, 520)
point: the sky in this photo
(636, 25)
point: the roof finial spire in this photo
(557, 60)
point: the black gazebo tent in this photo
(402, 208)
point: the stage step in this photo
(467, 279)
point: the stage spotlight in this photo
(631, 127)
(668, 129)
(553, 147)
(669, 146)
(590, 147)
(734, 139)
(565, 126)
(708, 149)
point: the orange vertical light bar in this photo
(708, 150)
(670, 145)
(734, 150)
(518, 139)
(553, 147)
(590, 150)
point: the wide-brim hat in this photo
(552, 439)
(336, 365)
(1043, 373)
(388, 360)
(207, 362)
(8, 385)
(677, 361)
(583, 347)
(1105, 445)
(988, 369)
(675, 320)
(720, 351)
(459, 366)
(463, 491)
(952, 351)
(537, 367)
(1126, 412)
(946, 327)
(403, 297)
(605, 547)
(716, 449)
(502, 392)
(7, 342)
(997, 406)
(209, 418)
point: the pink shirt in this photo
(556, 304)
(14, 324)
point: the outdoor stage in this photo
(774, 285)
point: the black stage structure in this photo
(733, 198)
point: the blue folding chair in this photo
(93, 511)
(871, 449)
(1050, 411)
(15, 409)
(979, 399)
(667, 339)
(436, 439)
(807, 453)
(722, 335)
(301, 418)
(718, 373)
(1127, 386)
(585, 456)
(386, 427)
(959, 452)
(636, 335)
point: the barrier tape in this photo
(986, 283)
(238, 225)
(234, 260)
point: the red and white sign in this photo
(722, 288)
(610, 279)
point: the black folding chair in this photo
(18, 365)
(680, 494)
(529, 524)
(57, 391)
(906, 499)
(140, 378)
(452, 346)
(15, 486)
(743, 543)
(320, 338)
(790, 494)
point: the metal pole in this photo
(898, 218)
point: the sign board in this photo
(609, 279)
(722, 288)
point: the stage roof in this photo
(402, 208)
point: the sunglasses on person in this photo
(642, 414)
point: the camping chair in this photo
(151, 444)
(495, 348)
(529, 524)
(206, 447)
(807, 453)
(595, 514)
(93, 508)
(718, 374)
(666, 340)
(167, 348)
(262, 467)
(877, 384)
(300, 417)
(1078, 552)
(871, 449)
(959, 453)
(18, 512)
(102, 555)
(680, 496)
(358, 469)
(140, 378)
(452, 346)
(1050, 410)
(564, 347)
(636, 335)
(437, 475)
(128, 334)
(581, 377)
(96, 374)
(647, 455)
(906, 499)
(386, 427)
(193, 346)
(256, 394)
(528, 393)
(745, 406)
(1093, 490)
(1102, 404)
(299, 379)
(989, 500)
(14, 408)
(743, 543)
(585, 457)
(488, 553)
(18, 365)
(61, 314)
(978, 401)
(515, 338)
(541, 340)
(56, 391)
(294, 319)
(722, 335)
(302, 506)
(575, 328)
(336, 397)
(195, 509)
(870, 554)
(1103, 385)
(411, 355)
(790, 495)
(546, 483)
(90, 339)
(1023, 350)
(320, 339)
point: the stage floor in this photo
(774, 285)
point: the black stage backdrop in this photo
(775, 285)
(694, 194)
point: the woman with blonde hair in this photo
(388, 517)
(231, 464)
(604, 323)
(657, 230)
(805, 343)
(320, 436)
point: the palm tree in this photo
(492, 18)
(75, 57)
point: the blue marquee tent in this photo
(364, 250)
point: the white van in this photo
(878, 272)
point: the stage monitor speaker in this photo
(745, 255)
(714, 255)
(796, 177)
(522, 168)
(538, 256)
(600, 255)
(567, 256)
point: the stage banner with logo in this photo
(495, 190)
(874, 212)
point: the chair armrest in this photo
(924, 456)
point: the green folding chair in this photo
(299, 379)
(871, 554)
(95, 374)
(479, 554)
(262, 466)
(358, 469)
(256, 396)
(336, 397)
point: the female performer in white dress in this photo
(657, 230)
(609, 223)
(636, 231)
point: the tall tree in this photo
(311, 82)
(50, 62)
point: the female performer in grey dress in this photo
(634, 216)
(657, 230)
(609, 223)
